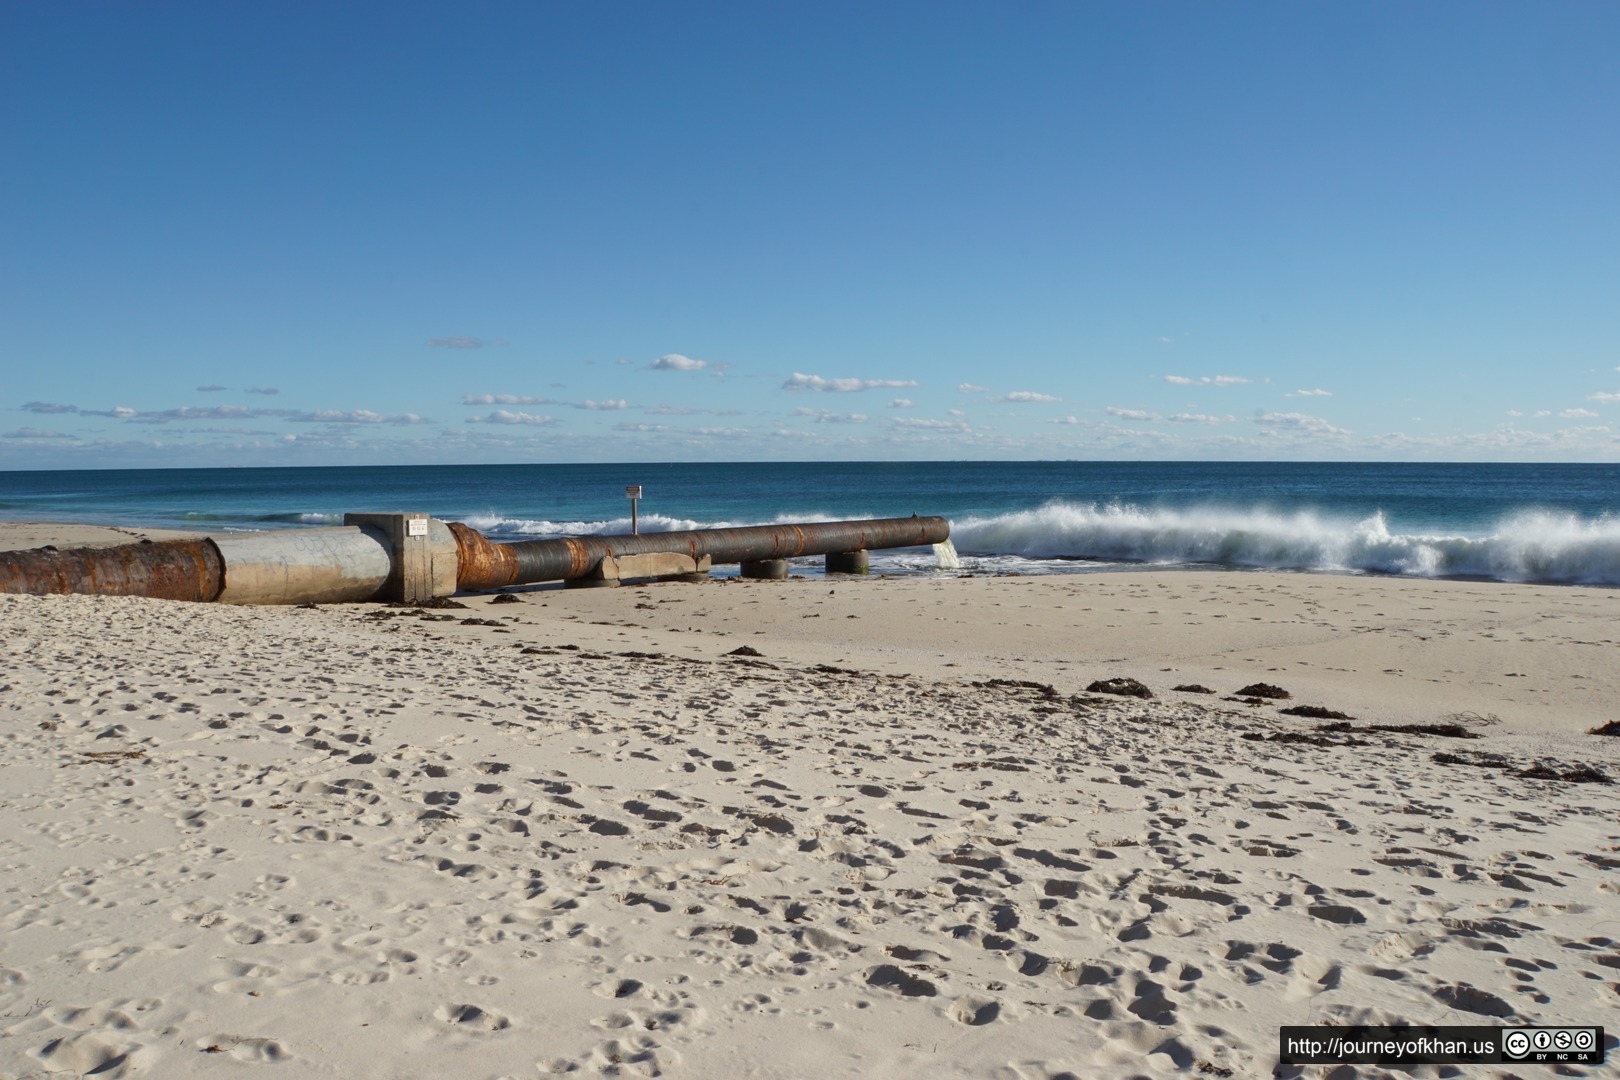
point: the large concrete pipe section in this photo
(166, 570)
(307, 566)
(488, 565)
(374, 557)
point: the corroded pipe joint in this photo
(483, 564)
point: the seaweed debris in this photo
(1124, 687)
(1306, 738)
(1315, 712)
(1572, 774)
(1264, 690)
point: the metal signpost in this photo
(633, 493)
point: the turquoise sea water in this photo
(1553, 523)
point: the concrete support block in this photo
(653, 564)
(766, 569)
(849, 562)
(423, 552)
(647, 566)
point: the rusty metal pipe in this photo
(489, 565)
(165, 569)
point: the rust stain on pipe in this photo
(164, 570)
(484, 566)
(482, 563)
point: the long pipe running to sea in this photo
(356, 562)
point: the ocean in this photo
(1556, 523)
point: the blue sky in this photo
(351, 233)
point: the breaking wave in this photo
(1529, 546)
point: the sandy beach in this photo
(576, 832)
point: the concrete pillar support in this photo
(766, 569)
(423, 554)
(849, 562)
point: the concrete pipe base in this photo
(766, 569)
(849, 562)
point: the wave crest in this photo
(1529, 546)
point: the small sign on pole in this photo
(633, 493)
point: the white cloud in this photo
(503, 416)
(970, 388)
(1309, 393)
(1206, 380)
(1294, 421)
(1027, 395)
(504, 399)
(921, 423)
(1132, 414)
(901, 403)
(186, 412)
(800, 383)
(677, 362)
(603, 406)
(1543, 412)
(351, 416)
(1195, 418)
(1065, 420)
(822, 416)
(1601, 397)
(628, 426)
(955, 412)
(1515, 412)
(1578, 414)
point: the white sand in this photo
(399, 846)
(21, 535)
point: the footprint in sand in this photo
(471, 1017)
(89, 1053)
(974, 1010)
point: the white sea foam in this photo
(1530, 546)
